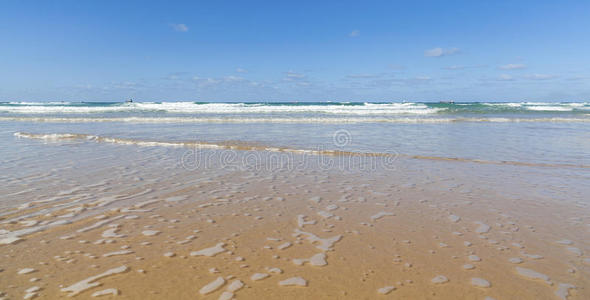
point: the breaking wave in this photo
(246, 146)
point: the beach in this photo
(320, 201)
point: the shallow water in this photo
(553, 133)
(384, 204)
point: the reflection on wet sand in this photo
(107, 221)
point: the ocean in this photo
(521, 132)
(317, 200)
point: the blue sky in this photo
(295, 50)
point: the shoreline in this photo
(401, 228)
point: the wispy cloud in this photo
(175, 76)
(439, 52)
(540, 76)
(575, 78)
(461, 67)
(296, 78)
(389, 82)
(454, 68)
(364, 76)
(512, 66)
(223, 82)
(179, 27)
(505, 77)
(123, 86)
(240, 70)
(354, 33)
(292, 75)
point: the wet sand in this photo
(136, 225)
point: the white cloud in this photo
(354, 33)
(223, 82)
(512, 66)
(204, 82)
(233, 78)
(240, 70)
(460, 67)
(540, 76)
(292, 75)
(438, 52)
(363, 76)
(176, 76)
(296, 79)
(179, 27)
(505, 77)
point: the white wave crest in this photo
(287, 120)
(225, 108)
(549, 108)
(51, 136)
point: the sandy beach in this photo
(145, 224)
(219, 150)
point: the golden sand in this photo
(350, 235)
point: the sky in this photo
(294, 50)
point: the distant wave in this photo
(222, 108)
(246, 146)
(290, 120)
(234, 145)
(550, 108)
(352, 109)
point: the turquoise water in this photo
(538, 133)
(299, 109)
